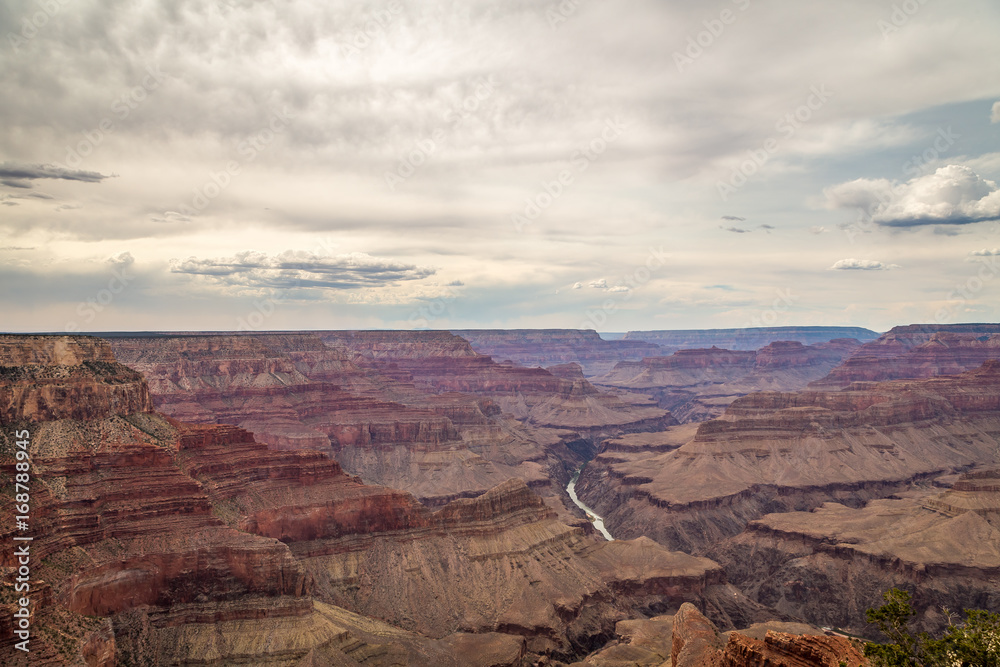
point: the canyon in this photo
(774, 451)
(751, 338)
(373, 497)
(697, 385)
(552, 347)
(917, 351)
(162, 542)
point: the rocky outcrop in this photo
(295, 392)
(697, 385)
(442, 362)
(752, 338)
(792, 451)
(831, 564)
(548, 347)
(689, 639)
(43, 378)
(160, 542)
(698, 643)
(917, 351)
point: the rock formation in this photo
(161, 542)
(831, 564)
(549, 347)
(689, 639)
(295, 392)
(697, 385)
(917, 351)
(776, 451)
(746, 339)
(442, 362)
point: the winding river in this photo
(596, 520)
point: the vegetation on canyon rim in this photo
(976, 642)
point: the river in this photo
(597, 521)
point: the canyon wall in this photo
(917, 351)
(776, 452)
(697, 385)
(752, 338)
(550, 347)
(162, 542)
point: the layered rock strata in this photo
(295, 392)
(831, 564)
(550, 347)
(697, 385)
(442, 362)
(160, 542)
(775, 452)
(917, 351)
(752, 338)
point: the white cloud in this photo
(985, 252)
(618, 288)
(862, 265)
(599, 284)
(995, 113)
(577, 285)
(818, 230)
(952, 195)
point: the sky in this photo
(315, 164)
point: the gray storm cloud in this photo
(300, 269)
(21, 173)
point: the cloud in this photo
(121, 260)
(818, 230)
(995, 113)
(735, 230)
(16, 183)
(301, 269)
(734, 218)
(985, 252)
(455, 283)
(577, 285)
(618, 288)
(599, 284)
(862, 265)
(952, 195)
(171, 216)
(28, 172)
